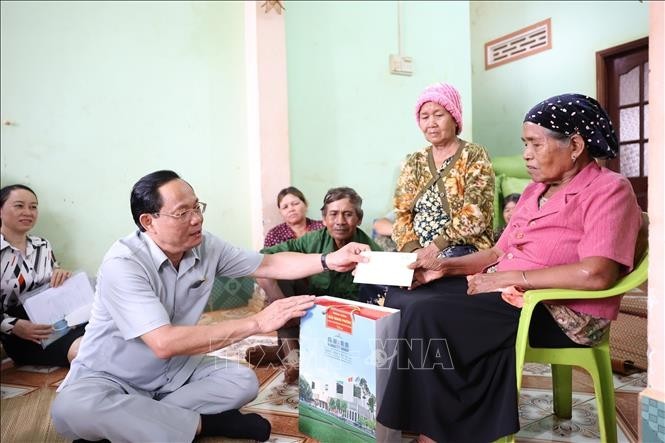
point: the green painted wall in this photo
(103, 93)
(501, 96)
(350, 121)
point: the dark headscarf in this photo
(577, 114)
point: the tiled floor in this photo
(278, 402)
(536, 418)
(539, 424)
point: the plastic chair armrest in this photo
(625, 284)
(537, 295)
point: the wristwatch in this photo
(323, 262)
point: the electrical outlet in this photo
(401, 64)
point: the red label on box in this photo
(367, 312)
(340, 319)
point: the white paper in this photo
(386, 268)
(80, 315)
(72, 299)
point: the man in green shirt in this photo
(342, 214)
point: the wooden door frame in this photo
(601, 65)
(605, 61)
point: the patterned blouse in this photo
(430, 217)
(21, 273)
(469, 190)
(283, 232)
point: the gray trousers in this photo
(98, 406)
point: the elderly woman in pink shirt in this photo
(574, 227)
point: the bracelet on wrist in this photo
(323, 262)
(527, 285)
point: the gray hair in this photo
(335, 194)
(562, 139)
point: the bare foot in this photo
(74, 349)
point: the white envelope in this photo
(386, 268)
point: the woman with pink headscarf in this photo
(444, 195)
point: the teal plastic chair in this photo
(595, 360)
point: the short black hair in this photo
(5, 191)
(145, 197)
(340, 193)
(511, 198)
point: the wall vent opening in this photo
(519, 44)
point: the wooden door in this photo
(623, 89)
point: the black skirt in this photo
(26, 352)
(454, 375)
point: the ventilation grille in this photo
(519, 44)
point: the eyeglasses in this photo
(186, 214)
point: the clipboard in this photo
(68, 305)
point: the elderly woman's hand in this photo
(492, 282)
(422, 276)
(427, 269)
(429, 252)
(429, 264)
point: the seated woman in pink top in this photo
(293, 207)
(574, 227)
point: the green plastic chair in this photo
(596, 360)
(511, 177)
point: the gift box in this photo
(346, 349)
